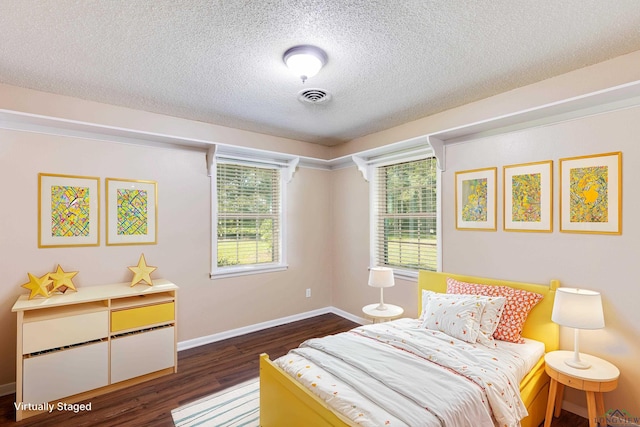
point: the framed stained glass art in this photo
(68, 210)
(528, 197)
(132, 212)
(591, 194)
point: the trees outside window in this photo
(248, 215)
(405, 204)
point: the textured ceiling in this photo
(220, 62)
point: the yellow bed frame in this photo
(286, 402)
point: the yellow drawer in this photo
(141, 316)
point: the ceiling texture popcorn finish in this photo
(221, 62)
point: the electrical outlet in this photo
(308, 293)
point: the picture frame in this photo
(476, 201)
(591, 194)
(68, 210)
(132, 212)
(527, 197)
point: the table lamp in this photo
(578, 309)
(381, 277)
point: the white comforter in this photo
(399, 374)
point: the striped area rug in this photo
(238, 406)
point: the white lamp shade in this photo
(381, 277)
(578, 308)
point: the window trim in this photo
(393, 159)
(248, 269)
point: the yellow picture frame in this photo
(68, 210)
(475, 198)
(527, 197)
(591, 194)
(132, 212)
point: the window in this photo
(405, 216)
(247, 219)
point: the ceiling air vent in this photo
(313, 96)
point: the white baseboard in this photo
(349, 316)
(575, 409)
(7, 389)
(196, 342)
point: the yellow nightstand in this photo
(602, 376)
(392, 312)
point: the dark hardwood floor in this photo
(201, 371)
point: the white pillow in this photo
(458, 318)
(489, 318)
(425, 300)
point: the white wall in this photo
(183, 252)
(605, 263)
(600, 262)
(350, 217)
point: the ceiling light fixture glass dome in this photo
(305, 61)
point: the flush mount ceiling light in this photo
(305, 61)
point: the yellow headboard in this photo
(538, 325)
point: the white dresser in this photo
(101, 338)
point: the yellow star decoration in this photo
(142, 272)
(62, 281)
(38, 285)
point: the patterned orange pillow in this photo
(516, 309)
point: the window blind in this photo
(406, 215)
(248, 215)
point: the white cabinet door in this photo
(142, 353)
(67, 330)
(66, 372)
